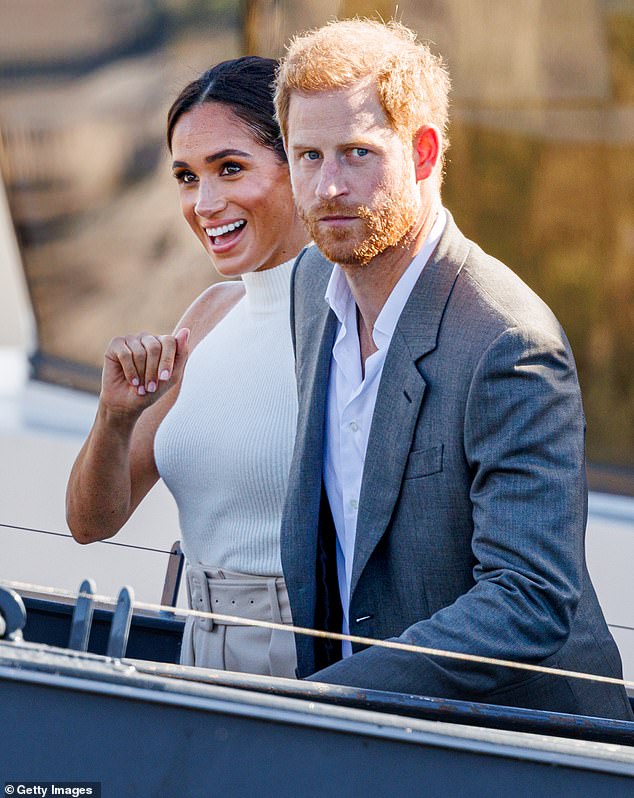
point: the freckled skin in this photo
(250, 184)
(346, 160)
(368, 194)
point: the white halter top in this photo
(224, 449)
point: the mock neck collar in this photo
(269, 289)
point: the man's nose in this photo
(210, 200)
(331, 181)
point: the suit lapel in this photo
(315, 328)
(400, 394)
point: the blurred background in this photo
(540, 173)
(540, 170)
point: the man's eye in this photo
(185, 177)
(359, 151)
(310, 155)
(230, 168)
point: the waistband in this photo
(261, 598)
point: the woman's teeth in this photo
(215, 232)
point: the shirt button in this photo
(354, 426)
(354, 504)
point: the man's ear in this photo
(426, 150)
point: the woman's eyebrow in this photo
(216, 156)
(225, 153)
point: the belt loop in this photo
(276, 613)
(277, 649)
(198, 592)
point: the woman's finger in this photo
(139, 356)
(166, 361)
(153, 349)
(182, 351)
(118, 352)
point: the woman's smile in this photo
(224, 235)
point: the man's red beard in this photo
(387, 225)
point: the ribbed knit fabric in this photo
(224, 449)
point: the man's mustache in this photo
(333, 209)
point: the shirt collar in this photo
(339, 296)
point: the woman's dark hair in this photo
(245, 85)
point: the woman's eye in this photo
(230, 169)
(310, 155)
(185, 177)
(359, 152)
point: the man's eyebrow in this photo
(216, 156)
(359, 141)
(295, 148)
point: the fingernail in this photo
(164, 375)
(151, 386)
(141, 390)
(135, 382)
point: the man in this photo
(440, 454)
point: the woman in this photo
(217, 424)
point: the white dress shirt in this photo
(350, 403)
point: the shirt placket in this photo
(348, 388)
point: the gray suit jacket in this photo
(472, 512)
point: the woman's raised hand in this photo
(139, 369)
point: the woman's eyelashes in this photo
(184, 176)
(226, 169)
(230, 168)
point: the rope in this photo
(171, 553)
(366, 641)
(70, 537)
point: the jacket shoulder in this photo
(491, 287)
(311, 274)
(309, 279)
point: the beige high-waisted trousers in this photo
(232, 646)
